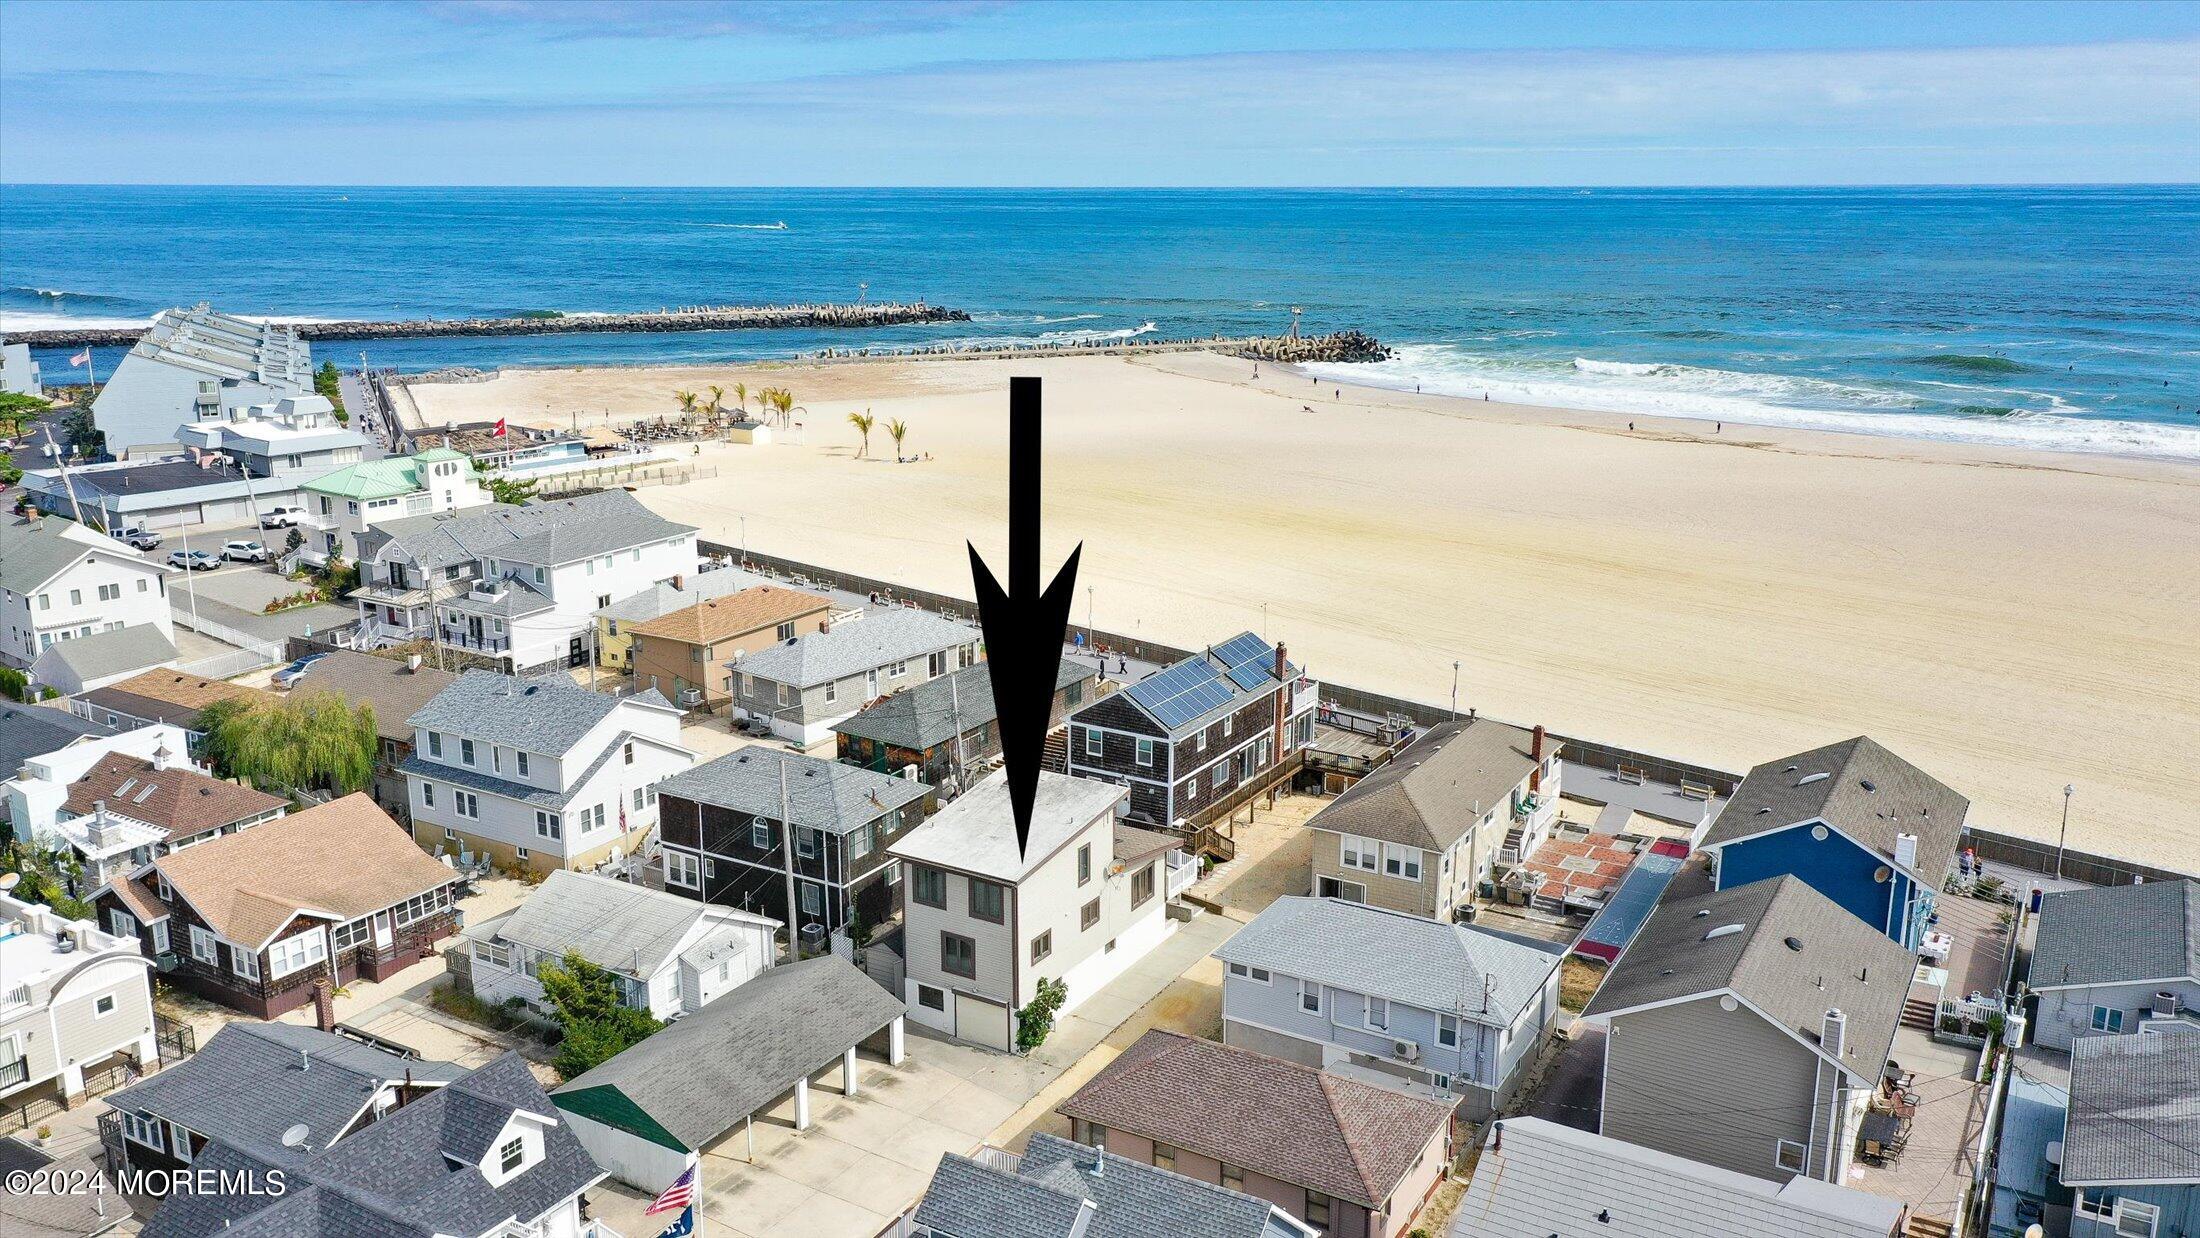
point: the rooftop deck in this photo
(1620, 795)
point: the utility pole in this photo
(954, 710)
(2069, 789)
(1455, 689)
(189, 587)
(786, 840)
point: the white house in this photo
(18, 371)
(108, 656)
(193, 364)
(60, 580)
(295, 435)
(2114, 960)
(539, 773)
(672, 955)
(71, 998)
(342, 505)
(983, 923)
(518, 583)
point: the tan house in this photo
(684, 654)
(1462, 803)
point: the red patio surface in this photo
(1567, 866)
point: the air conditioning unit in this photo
(691, 697)
(1406, 1050)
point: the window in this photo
(629, 752)
(353, 934)
(2102, 1206)
(760, 834)
(111, 593)
(958, 956)
(1142, 885)
(1317, 1210)
(1243, 971)
(466, 804)
(928, 886)
(2107, 1019)
(1378, 1014)
(244, 963)
(1222, 775)
(76, 597)
(637, 799)
(931, 998)
(202, 946)
(466, 751)
(121, 923)
(1042, 945)
(1092, 743)
(988, 901)
(510, 1155)
(548, 825)
(1084, 864)
(160, 936)
(1310, 997)
(936, 665)
(785, 697)
(1089, 915)
(141, 586)
(522, 854)
(2136, 1220)
(421, 906)
(293, 953)
(680, 870)
(1357, 853)
(859, 840)
(521, 757)
(45, 601)
(160, 882)
(807, 842)
(435, 743)
(496, 759)
(1145, 752)
(1787, 1155)
(832, 691)
(144, 1130)
(1164, 1156)
(1403, 863)
(897, 670)
(104, 1006)
(1225, 726)
(1233, 1178)
(813, 902)
(1447, 1031)
(427, 799)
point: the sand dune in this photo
(2012, 621)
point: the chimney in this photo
(1834, 1033)
(412, 663)
(679, 581)
(1535, 776)
(96, 832)
(324, 1005)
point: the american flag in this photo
(679, 1195)
(82, 358)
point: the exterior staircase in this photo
(1055, 755)
(1928, 1227)
(1920, 1012)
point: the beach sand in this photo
(2010, 621)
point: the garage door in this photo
(981, 1022)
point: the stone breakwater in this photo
(702, 318)
(1282, 349)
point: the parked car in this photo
(139, 536)
(281, 517)
(288, 676)
(244, 552)
(192, 560)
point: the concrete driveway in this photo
(866, 1158)
(235, 597)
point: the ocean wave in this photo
(1043, 319)
(780, 226)
(1095, 337)
(1697, 394)
(1968, 363)
(62, 294)
(12, 321)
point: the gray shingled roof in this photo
(124, 651)
(702, 1075)
(977, 832)
(664, 599)
(821, 795)
(395, 1177)
(2134, 1109)
(548, 715)
(1798, 955)
(33, 552)
(1432, 793)
(1404, 958)
(28, 731)
(617, 925)
(546, 532)
(898, 634)
(1867, 793)
(1537, 1177)
(1356, 1141)
(2085, 937)
(1054, 1180)
(396, 692)
(924, 716)
(245, 1086)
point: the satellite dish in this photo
(1882, 873)
(8, 881)
(295, 1137)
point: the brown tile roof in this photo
(346, 858)
(181, 693)
(363, 679)
(178, 800)
(747, 611)
(1339, 1136)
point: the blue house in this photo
(1859, 824)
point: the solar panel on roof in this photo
(1251, 661)
(1181, 693)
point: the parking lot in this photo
(236, 595)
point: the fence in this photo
(581, 480)
(172, 1040)
(251, 652)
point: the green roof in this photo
(379, 479)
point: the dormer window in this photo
(511, 1155)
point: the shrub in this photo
(1036, 1021)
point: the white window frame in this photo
(682, 869)
(1094, 743)
(466, 804)
(1404, 863)
(2108, 1019)
(1145, 752)
(203, 948)
(760, 834)
(159, 930)
(2131, 1213)
(1377, 1014)
(1359, 854)
(1780, 1156)
(521, 757)
(121, 923)
(103, 1005)
(1310, 997)
(245, 963)
(1447, 1031)
(148, 1132)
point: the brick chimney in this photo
(1283, 696)
(324, 1005)
(1535, 776)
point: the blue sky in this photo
(979, 92)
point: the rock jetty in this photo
(1282, 349)
(691, 318)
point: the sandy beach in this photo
(2012, 621)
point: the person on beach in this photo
(1630, 427)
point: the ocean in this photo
(2062, 318)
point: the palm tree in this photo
(687, 403)
(741, 393)
(717, 396)
(900, 430)
(785, 400)
(863, 422)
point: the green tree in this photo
(505, 489)
(307, 741)
(863, 422)
(598, 1026)
(741, 397)
(717, 397)
(899, 429)
(686, 401)
(327, 382)
(1036, 1021)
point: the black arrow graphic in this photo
(1024, 626)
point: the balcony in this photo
(459, 639)
(1183, 872)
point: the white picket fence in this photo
(250, 653)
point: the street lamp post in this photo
(2069, 789)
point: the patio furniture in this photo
(1877, 1134)
(1937, 947)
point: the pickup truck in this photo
(139, 536)
(281, 517)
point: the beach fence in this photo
(583, 481)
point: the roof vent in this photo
(1791, 769)
(1868, 784)
(1762, 811)
(1795, 944)
(1808, 779)
(1702, 912)
(1724, 930)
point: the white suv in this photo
(244, 552)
